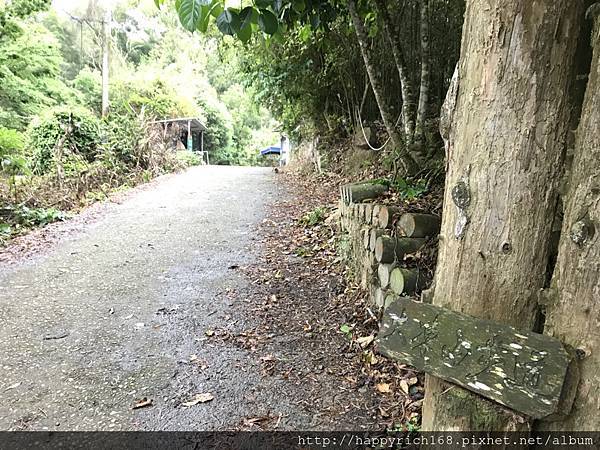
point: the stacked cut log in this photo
(380, 237)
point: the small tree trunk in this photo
(511, 124)
(425, 76)
(385, 109)
(574, 309)
(406, 86)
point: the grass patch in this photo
(313, 218)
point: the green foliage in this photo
(11, 142)
(382, 182)
(14, 12)
(54, 148)
(29, 77)
(269, 17)
(123, 132)
(409, 425)
(219, 135)
(189, 159)
(22, 218)
(347, 330)
(314, 217)
(88, 84)
(150, 97)
(72, 132)
(410, 189)
(12, 161)
(30, 217)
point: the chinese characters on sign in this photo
(523, 371)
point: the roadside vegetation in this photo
(59, 154)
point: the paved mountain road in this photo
(116, 313)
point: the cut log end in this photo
(390, 249)
(419, 225)
(375, 234)
(387, 215)
(379, 299)
(383, 274)
(404, 281)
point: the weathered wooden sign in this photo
(523, 371)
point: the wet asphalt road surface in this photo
(124, 310)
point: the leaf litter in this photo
(313, 324)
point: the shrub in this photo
(74, 131)
(11, 142)
(189, 159)
(218, 120)
(29, 76)
(123, 135)
(411, 189)
(12, 162)
(89, 87)
(314, 217)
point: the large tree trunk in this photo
(406, 86)
(574, 309)
(505, 154)
(385, 109)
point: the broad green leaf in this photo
(205, 20)
(228, 22)
(263, 3)
(248, 16)
(190, 12)
(244, 33)
(217, 9)
(268, 22)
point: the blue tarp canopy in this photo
(273, 150)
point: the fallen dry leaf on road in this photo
(384, 388)
(209, 333)
(365, 341)
(199, 398)
(404, 386)
(143, 403)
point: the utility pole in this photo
(106, 26)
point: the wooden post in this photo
(190, 138)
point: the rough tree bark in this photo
(385, 109)
(505, 155)
(573, 314)
(425, 76)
